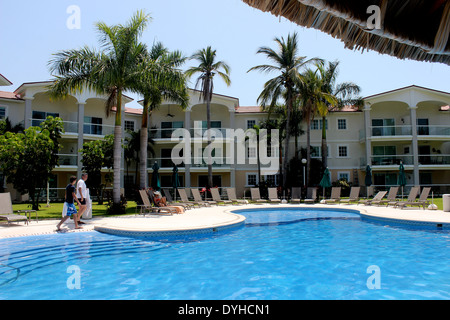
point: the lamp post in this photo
(304, 161)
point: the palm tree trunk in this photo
(143, 159)
(143, 150)
(117, 149)
(296, 147)
(308, 150)
(288, 137)
(208, 120)
(324, 143)
(257, 157)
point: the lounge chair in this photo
(232, 196)
(296, 195)
(422, 202)
(390, 199)
(311, 195)
(354, 195)
(7, 212)
(170, 201)
(216, 197)
(411, 197)
(167, 209)
(150, 207)
(335, 195)
(198, 198)
(256, 196)
(273, 195)
(380, 195)
(184, 198)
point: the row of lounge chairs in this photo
(311, 197)
(149, 206)
(411, 201)
(378, 199)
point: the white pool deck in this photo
(215, 217)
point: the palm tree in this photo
(345, 93)
(111, 71)
(208, 67)
(287, 63)
(313, 100)
(132, 149)
(160, 80)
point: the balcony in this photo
(67, 160)
(392, 160)
(430, 161)
(166, 163)
(97, 129)
(405, 132)
(433, 131)
(71, 128)
(390, 131)
(195, 133)
(434, 160)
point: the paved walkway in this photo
(214, 217)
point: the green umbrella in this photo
(368, 179)
(401, 177)
(175, 181)
(326, 181)
(156, 184)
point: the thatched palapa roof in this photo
(409, 29)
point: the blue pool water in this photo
(279, 254)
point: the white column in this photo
(367, 127)
(415, 147)
(28, 114)
(233, 161)
(187, 167)
(80, 135)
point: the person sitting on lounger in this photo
(161, 202)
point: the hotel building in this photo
(409, 125)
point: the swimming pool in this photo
(279, 254)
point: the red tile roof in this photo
(8, 95)
(133, 111)
(256, 109)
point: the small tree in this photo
(28, 159)
(97, 155)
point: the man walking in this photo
(69, 208)
(81, 195)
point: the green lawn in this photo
(55, 210)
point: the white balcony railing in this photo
(406, 130)
(68, 159)
(88, 128)
(195, 133)
(424, 159)
(195, 163)
(391, 131)
(434, 159)
(433, 130)
(389, 160)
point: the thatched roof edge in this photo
(326, 16)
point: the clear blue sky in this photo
(30, 31)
